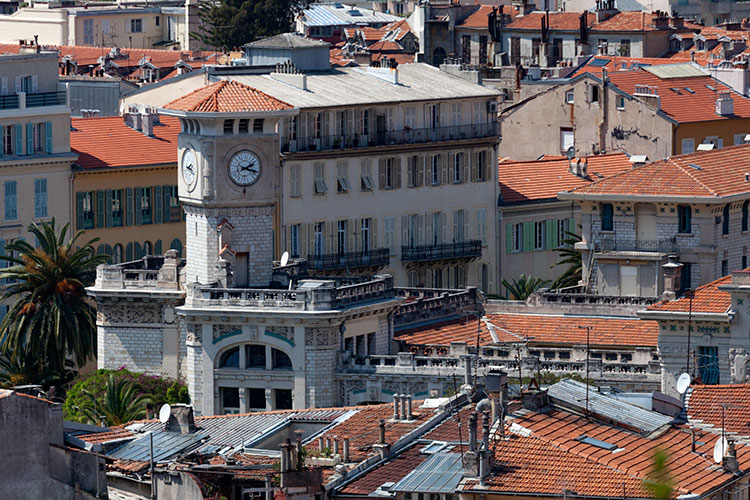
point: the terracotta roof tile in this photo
(391, 471)
(385, 45)
(705, 299)
(455, 428)
(635, 21)
(103, 437)
(402, 58)
(99, 143)
(713, 174)
(477, 19)
(617, 63)
(227, 96)
(542, 179)
(703, 403)
(565, 21)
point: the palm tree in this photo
(521, 288)
(24, 370)
(121, 403)
(659, 481)
(50, 318)
(572, 258)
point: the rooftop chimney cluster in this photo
(402, 407)
(579, 168)
(142, 120)
(477, 462)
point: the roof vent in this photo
(638, 160)
(724, 104)
(705, 147)
(596, 442)
(747, 176)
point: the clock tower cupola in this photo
(229, 176)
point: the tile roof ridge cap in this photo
(493, 335)
(692, 176)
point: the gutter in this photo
(654, 198)
(726, 317)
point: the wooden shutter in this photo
(18, 84)
(451, 163)
(421, 161)
(554, 232)
(29, 138)
(397, 172)
(108, 207)
(381, 172)
(128, 252)
(405, 230)
(157, 248)
(465, 166)
(508, 238)
(19, 140)
(443, 169)
(34, 83)
(351, 237)
(137, 250)
(159, 209)
(79, 209)
(128, 218)
(549, 228)
(100, 209)
(444, 222)
(373, 233)
(429, 231)
(167, 216)
(48, 137)
(137, 212)
(473, 165)
(466, 216)
(528, 236)
(571, 226)
(420, 229)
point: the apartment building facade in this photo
(35, 159)
(695, 207)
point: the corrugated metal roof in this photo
(440, 473)
(343, 15)
(166, 445)
(572, 394)
(681, 70)
(286, 41)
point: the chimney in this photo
(731, 464)
(672, 278)
(409, 415)
(585, 168)
(345, 457)
(473, 431)
(678, 22)
(181, 419)
(648, 94)
(321, 445)
(535, 399)
(298, 449)
(404, 416)
(395, 407)
(724, 104)
(381, 434)
(335, 445)
(485, 430)
(149, 119)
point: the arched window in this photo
(176, 245)
(280, 360)
(458, 277)
(725, 220)
(137, 250)
(744, 215)
(157, 248)
(255, 356)
(148, 248)
(413, 278)
(117, 254)
(230, 358)
(129, 252)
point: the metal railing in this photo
(45, 99)
(377, 257)
(460, 250)
(613, 244)
(9, 102)
(391, 137)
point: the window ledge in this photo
(684, 235)
(607, 232)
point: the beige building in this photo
(133, 27)
(35, 157)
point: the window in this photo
(11, 200)
(570, 96)
(456, 114)
(293, 128)
(608, 213)
(481, 220)
(342, 178)
(684, 216)
(744, 262)
(708, 364)
(517, 237)
(389, 173)
(688, 146)
(341, 237)
(457, 162)
(258, 126)
(228, 127)
(367, 184)
(319, 242)
(283, 399)
(340, 123)
(315, 125)
(88, 32)
(364, 117)
(739, 139)
(295, 181)
(8, 140)
(136, 25)
(436, 227)
(745, 215)
(458, 226)
(620, 103)
(725, 222)
(413, 172)
(230, 399)
(38, 137)
(480, 167)
(562, 231)
(280, 360)
(566, 139)
(156, 18)
(458, 277)
(294, 240)
(85, 209)
(145, 205)
(625, 47)
(724, 267)
(256, 399)
(539, 235)
(244, 126)
(410, 113)
(390, 234)
(320, 181)
(40, 197)
(435, 170)
(466, 49)
(432, 116)
(255, 356)
(595, 94)
(482, 50)
(686, 276)
(117, 255)
(437, 278)
(365, 235)
(413, 278)
(230, 358)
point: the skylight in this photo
(596, 442)
(693, 165)
(599, 62)
(709, 87)
(676, 90)
(689, 90)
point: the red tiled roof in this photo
(455, 428)
(712, 174)
(543, 329)
(391, 471)
(617, 63)
(7, 392)
(128, 466)
(401, 58)
(557, 21)
(477, 19)
(100, 143)
(402, 25)
(385, 45)
(706, 299)
(693, 472)
(227, 96)
(103, 437)
(542, 179)
(704, 404)
(684, 106)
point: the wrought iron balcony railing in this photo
(377, 257)
(614, 244)
(468, 249)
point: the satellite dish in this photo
(284, 259)
(571, 153)
(720, 449)
(683, 382)
(164, 412)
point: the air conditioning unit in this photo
(491, 106)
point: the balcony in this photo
(468, 250)
(376, 258)
(610, 244)
(9, 102)
(46, 99)
(392, 138)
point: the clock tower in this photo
(229, 176)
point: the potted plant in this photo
(337, 143)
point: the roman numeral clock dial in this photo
(244, 168)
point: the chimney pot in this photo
(395, 407)
(473, 431)
(408, 407)
(345, 457)
(381, 435)
(404, 416)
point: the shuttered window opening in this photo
(40, 197)
(367, 183)
(11, 200)
(320, 182)
(8, 143)
(85, 210)
(435, 170)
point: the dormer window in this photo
(700, 45)
(228, 127)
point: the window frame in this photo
(570, 96)
(609, 217)
(684, 219)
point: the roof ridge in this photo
(692, 176)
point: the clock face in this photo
(189, 167)
(244, 168)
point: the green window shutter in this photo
(129, 208)
(137, 250)
(547, 235)
(29, 138)
(128, 252)
(571, 226)
(48, 137)
(137, 201)
(100, 209)
(108, 207)
(555, 233)
(158, 206)
(79, 209)
(19, 139)
(157, 248)
(528, 236)
(167, 204)
(508, 238)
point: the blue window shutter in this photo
(19, 140)
(100, 209)
(108, 207)
(37, 198)
(137, 201)
(167, 190)
(79, 209)
(137, 250)
(158, 206)
(129, 208)
(48, 137)
(157, 247)
(43, 186)
(11, 200)
(29, 138)
(128, 252)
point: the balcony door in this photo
(645, 225)
(240, 270)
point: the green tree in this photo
(122, 402)
(226, 24)
(659, 481)
(50, 318)
(571, 258)
(523, 286)
(24, 370)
